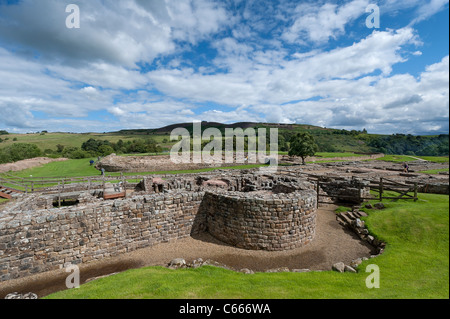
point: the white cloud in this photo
(428, 9)
(318, 23)
(50, 75)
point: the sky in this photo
(133, 64)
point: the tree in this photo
(105, 150)
(59, 148)
(303, 145)
(19, 151)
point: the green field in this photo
(82, 168)
(406, 158)
(435, 171)
(337, 154)
(415, 265)
(435, 159)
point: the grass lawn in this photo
(435, 171)
(406, 158)
(81, 168)
(436, 159)
(415, 264)
(330, 155)
(50, 140)
(69, 168)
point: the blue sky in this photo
(147, 64)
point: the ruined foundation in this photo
(249, 211)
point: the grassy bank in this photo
(81, 168)
(415, 264)
(406, 158)
(435, 171)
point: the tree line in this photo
(398, 144)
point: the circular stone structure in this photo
(259, 221)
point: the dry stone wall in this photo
(269, 223)
(250, 211)
(48, 239)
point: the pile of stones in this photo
(351, 220)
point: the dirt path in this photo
(332, 244)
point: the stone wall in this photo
(250, 211)
(435, 188)
(267, 222)
(114, 163)
(45, 240)
(346, 190)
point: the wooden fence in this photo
(384, 184)
(379, 186)
(60, 184)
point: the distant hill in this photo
(220, 126)
(329, 139)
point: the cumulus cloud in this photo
(147, 64)
(319, 23)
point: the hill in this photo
(134, 141)
(330, 139)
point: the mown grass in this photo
(435, 171)
(337, 154)
(435, 159)
(415, 264)
(406, 158)
(82, 168)
(69, 168)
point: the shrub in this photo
(19, 151)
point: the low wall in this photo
(45, 240)
(434, 188)
(270, 223)
(279, 215)
(114, 163)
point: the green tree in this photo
(19, 151)
(303, 145)
(105, 150)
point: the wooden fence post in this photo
(59, 195)
(317, 190)
(381, 189)
(359, 193)
(415, 192)
(124, 185)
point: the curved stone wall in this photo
(271, 222)
(253, 212)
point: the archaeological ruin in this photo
(248, 209)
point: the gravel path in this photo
(332, 244)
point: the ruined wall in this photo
(270, 223)
(114, 163)
(251, 211)
(39, 241)
(350, 190)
